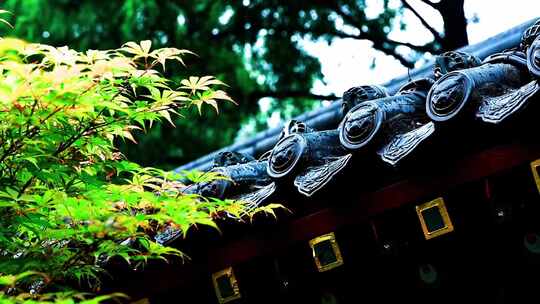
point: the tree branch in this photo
(378, 41)
(435, 34)
(432, 4)
(419, 48)
(284, 94)
(392, 52)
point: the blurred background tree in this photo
(253, 45)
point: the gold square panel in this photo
(226, 286)
(326, 253)
(535, 167)
(434, 218)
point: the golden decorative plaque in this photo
(434, 218)
(225, 285)
(534, 168)
(326, 253)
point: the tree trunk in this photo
(455, 24)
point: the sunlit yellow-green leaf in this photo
(68, 197)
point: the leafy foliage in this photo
(69, 200)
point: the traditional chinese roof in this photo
(381, 129)
(461, 131)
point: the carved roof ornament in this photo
(286, 154)
(313, 158)
(293, 127)
(359, 94)
(533, 57)
(243, 182)
(453, 61)
(361, 124)
(494, 90)
(397, 121)
(228, 158)
(316, 177)
(530, 35)
(257, 197)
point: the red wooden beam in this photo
(435, 181)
